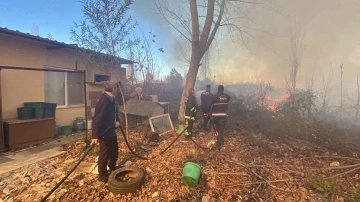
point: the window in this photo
(100, 78)
(64, 88)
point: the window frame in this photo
(66, 89)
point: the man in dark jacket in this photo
(206, 102)
(103, 131)
(190, 113)
(219, 113)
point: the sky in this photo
(51, 16)
(332, 37)
(57, 17)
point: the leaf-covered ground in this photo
(250, 167)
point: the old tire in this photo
(117, 186)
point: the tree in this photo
(326, 93)
(297, 39)
(341, 87)
(49, 36)
(174, 79)
(144, 53)
(200, 42)
(205, 72)
(357, 106)
(35, 30)
(106, 28)
(199, 26)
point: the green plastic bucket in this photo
(180, 129)
(25, 113)
(191, 174)
(66, 130)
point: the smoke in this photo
(332, 38)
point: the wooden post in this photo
(125, 113)
(86, 107)
(2, 140)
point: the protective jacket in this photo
(220, 106)
(206, 101)
(190, 107)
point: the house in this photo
(19, 49)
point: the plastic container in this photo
(191, 174)
(66, 130)
(53, 111)
(89, 124)
(48, 110)
(79, 124)
(57, 130)
(154, 98)
(39, 108)
(25, 113)
(180, 129)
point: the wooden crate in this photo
(19, 134)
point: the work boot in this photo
(104, 178)
(110, 171)
(219, 145)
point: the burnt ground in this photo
(250, 167)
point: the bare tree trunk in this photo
(325, 97)
(341, 87)
(297, 37)
(199, 44)
(190, 80)
(358, 98)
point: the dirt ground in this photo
(250, 167)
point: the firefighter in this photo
(206, 102)
(190, 113)
(219, 113)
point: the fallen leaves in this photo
(250, 167)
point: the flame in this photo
(274, 102)
(270, 103)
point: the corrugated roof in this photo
(56, 43)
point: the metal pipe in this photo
(41, 69)
(76, 60)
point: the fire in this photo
(274, 102)
(270, 103)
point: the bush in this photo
(289, 116)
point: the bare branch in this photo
(207, 26)
(195, 22)
(160, 8)
(216, 27)
(242, 32)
